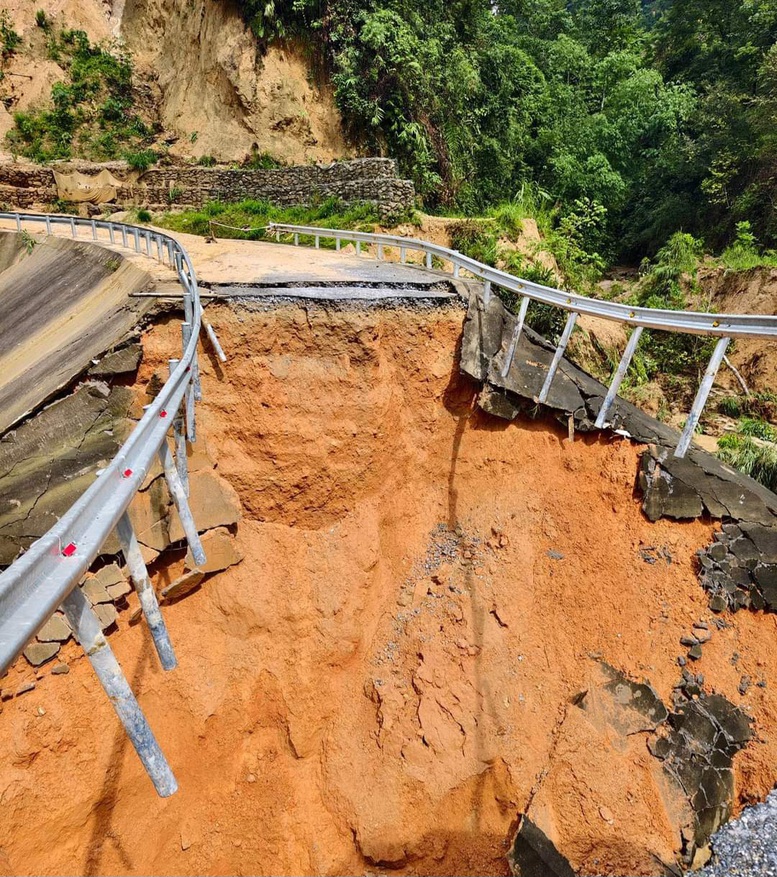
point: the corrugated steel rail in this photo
(47, 575)
(724, 327)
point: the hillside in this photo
(199, 80)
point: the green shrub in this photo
(745, 253)
(141, 160)
(42, 20)
(91, 112)
(761, 405)
(206, 161)
(9, 38)
(144, 215)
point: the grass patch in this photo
(745, 253)
(244, 220)
(748, 455)
(761, 406)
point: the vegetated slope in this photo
(198, 77)
(386, 679)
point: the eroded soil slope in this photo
(390, 676)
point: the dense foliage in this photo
(661, 113)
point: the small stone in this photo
(250, 778)
(183, 585)
(555, 555)
(106, 614)
(689, 641)
(60, 670)
(220, 549)
(718, 551)
(681, 661)
(718, 603)
(744, 685)
(6, 694)
(695, 653)
(56, 629)
(39, 653)
(606, 815)
(703, 636)
(701, 625)
(40, 711)
(95, 592)
(110, 575)
(25, 687)
(185, 842)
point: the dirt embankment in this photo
(200, 75)
(389, 677)
(746, 292)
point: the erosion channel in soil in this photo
(442, 623)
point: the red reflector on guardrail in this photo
(163, 413)
(69, 550)
(127, 473)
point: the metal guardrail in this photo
(725, 327)
(47, 575)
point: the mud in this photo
(388, 679)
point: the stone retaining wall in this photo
(373, 180)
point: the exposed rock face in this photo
(219, 94)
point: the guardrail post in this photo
(318, 242)
(191, 427)
(486, 292)
(380, 252)
(18, 222)
(94, 230)
(181, 463)
(88, 633)
(48, 225)
(562, 346)
(456, 269)
(428, 261)
(337, 243)
(618, 377)
(296, 239)
(73, 227)
(701, 397)
(358, 248)
(159, 251)
(145, 591)
(124, 238)
(112, 233)
(508, 363)
(182, 504)
(402, 255)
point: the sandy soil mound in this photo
(392, 673)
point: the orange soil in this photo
(383, 680)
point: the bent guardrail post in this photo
(618, 377)
(191, 424)
(508, 364)
(89, 634)
(182, 504)
(562, 346)
(145, 591)
(701, 397)
(181, 463)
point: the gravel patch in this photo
(747, 847)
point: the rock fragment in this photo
(39, 653)
(55, 630)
